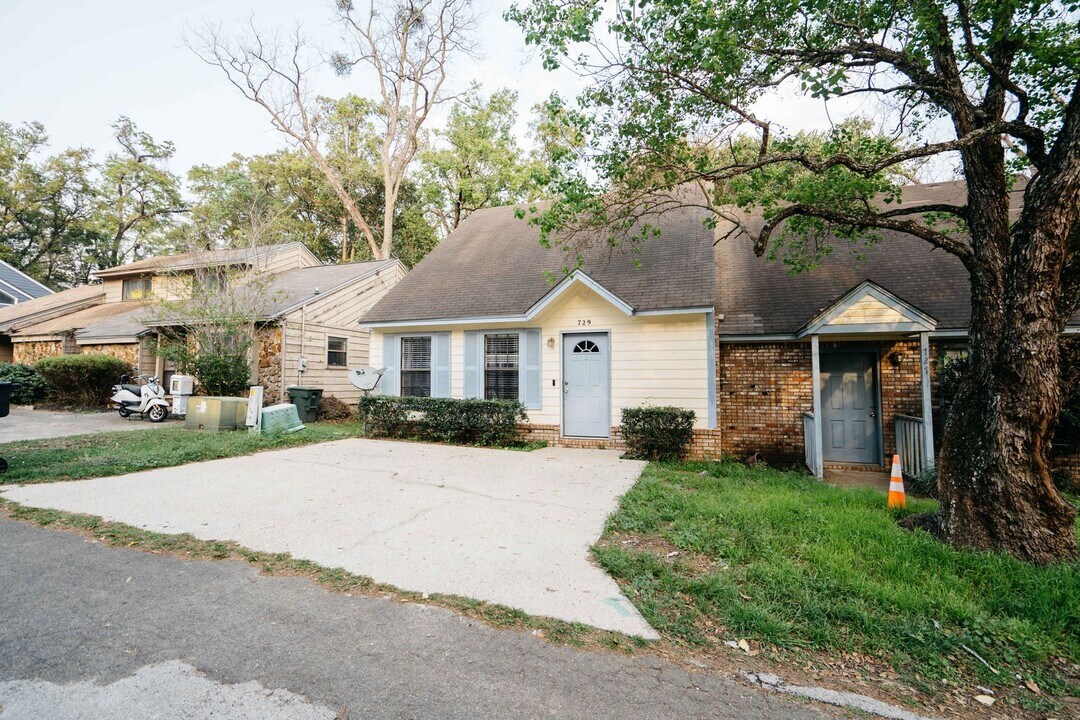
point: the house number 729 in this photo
(584, 322)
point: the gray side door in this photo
(586, 386)
(849, 424)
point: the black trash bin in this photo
(306, 400)
(6, 388)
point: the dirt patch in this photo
(665, 551)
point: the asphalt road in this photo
(75, 611)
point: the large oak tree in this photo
(991, 86)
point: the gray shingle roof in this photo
(20, 285)
(191, 260)
(294, 287)
(494, 265)
(757, 296)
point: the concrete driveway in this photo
(25, 423)
(498, 525)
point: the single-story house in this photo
(306, 332)
(834, 366)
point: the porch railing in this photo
(909, 444)
(808, 441)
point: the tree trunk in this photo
(994, 474)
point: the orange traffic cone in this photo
(897, 499)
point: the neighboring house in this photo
(825, 366)
(16, 286)
(309, 316)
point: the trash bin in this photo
(6, 386)
(306, 400)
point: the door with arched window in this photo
(586, 386)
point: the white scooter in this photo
(147, 399)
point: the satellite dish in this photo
(366, 378)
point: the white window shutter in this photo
(531, 393)
(392, 363)
(440, 365)
(473, 372)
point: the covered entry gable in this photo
(868, 308)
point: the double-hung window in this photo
(416, 366)
(501, 366)
(337, 352)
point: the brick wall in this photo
(762, 390)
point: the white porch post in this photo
(927, 406)
(815, 365)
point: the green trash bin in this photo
(306, 400)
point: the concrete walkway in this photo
(25, 423)
(504, 526)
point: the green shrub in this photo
(32, 387)
(225, 373)
(658, 433)
(473, 422)
(82, 380)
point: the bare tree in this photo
(408, 45)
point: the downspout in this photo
(303, 337)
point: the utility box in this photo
(306, 400)
(280, 418)
(216, 414)
(181, 387)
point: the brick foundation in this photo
(704, 446)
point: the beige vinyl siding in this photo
(655, 360)
(868, 310)
(290, 258)
(114, 290)
(335, 314)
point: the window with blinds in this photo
(416, 366)
(501, 363)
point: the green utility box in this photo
(216, 414)
(306, 400)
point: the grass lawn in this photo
(715, 552)
(116, 453)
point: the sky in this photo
(76, 66)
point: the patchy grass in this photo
(714, 552)
(187, 547)
(116, 453)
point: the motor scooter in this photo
(147, 400)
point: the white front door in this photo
(586, 386)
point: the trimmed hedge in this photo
(658, 433)
(82, 380)
(465, 422)
(32, 387)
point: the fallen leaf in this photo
(985, 700)
(744, 646)
(1030, 684)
